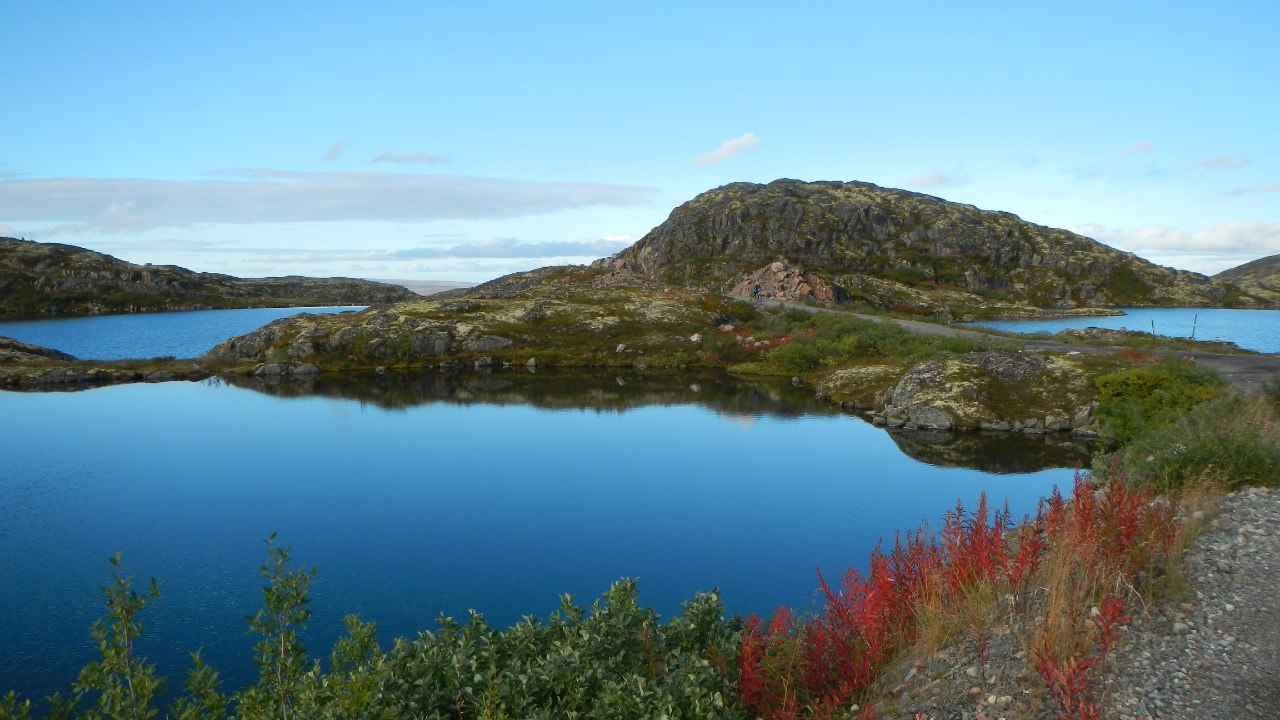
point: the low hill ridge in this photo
(891, 247)
(50, 279)
(1260, 277)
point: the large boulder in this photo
(1021, 391)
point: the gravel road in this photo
(1245, 372)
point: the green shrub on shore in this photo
(1233, 437)
(615, 660)
(1140, 399)
(1171, 424)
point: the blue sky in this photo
(462, 141)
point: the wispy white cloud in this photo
(275, 196)
(1138, 148)
(727, 150)
(493, 248)
(1208, 249)
(420, 158)
(929, 180)
(1221, 163)
(335, 150)
(1256, 189)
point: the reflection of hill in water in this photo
(737, 399)
(1000, 453)
(557, 390)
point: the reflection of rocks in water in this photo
(558, 390)
(993, 452)
(736, 399)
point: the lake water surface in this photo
(185, 334)
(1257, 330)
(417, 496)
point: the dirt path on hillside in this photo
(1244, 372)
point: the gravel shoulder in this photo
(1216, 654)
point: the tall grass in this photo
(824, 339)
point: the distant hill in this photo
(1260, 278)
(427, 287)
(53, 280)
(904, 250)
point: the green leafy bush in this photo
(1138, 399)
(616, 660)
(1234, 440)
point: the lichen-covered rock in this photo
(998, 390)
(861, 386)
(563, 320)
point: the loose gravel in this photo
(1215, 655)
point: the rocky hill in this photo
(49, 279)
(904, 251)
(1260, 278)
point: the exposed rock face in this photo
(1004, 391)
(858, 234)
(779, 281)
(48, 279)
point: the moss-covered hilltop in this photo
(553, 316)
(54, 280)
(907, 251)
(1260, 278)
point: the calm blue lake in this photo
(417, 496)
(185, 334)
(1257, 330)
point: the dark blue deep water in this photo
(185, 334)
(429, 495)
(1257, 330)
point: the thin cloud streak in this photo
(419, 157)
(496, 248)
(1246, 239)
(1221, 163)
(1256, 190)
(335, 150)
(1138, 148)
(929, 180)
(275, 196)
(727, 150)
